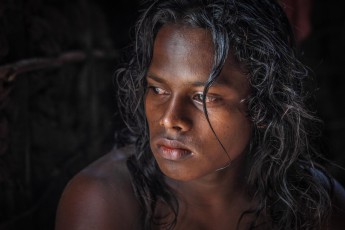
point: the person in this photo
(215, 99)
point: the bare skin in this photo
(181, 140)
(101, 197)
(211, 193)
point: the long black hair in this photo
(293, 192)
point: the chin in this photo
(185, 173)
(174, 171)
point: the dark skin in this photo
(212, 194)
(182, 61)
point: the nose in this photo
(176, 115)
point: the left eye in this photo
(199, 97)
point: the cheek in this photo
(151, 112)
(148, 111)
(234, 131)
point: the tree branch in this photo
(9, 72)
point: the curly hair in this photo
(293, 191)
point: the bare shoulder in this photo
(338, 202)
(100, 196)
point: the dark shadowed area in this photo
(58, 107)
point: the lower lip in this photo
(174, 154)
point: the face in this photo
(181, 139)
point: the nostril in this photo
(177, 124)
(178, 128)
(174, 117)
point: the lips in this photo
(173, 150)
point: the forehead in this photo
(183, 52)
(176, 35)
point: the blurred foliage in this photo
(55, 119)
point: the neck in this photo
(219, 189)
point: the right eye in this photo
(157, 90)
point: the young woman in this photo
(215, 97)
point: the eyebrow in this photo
(195, 84)
(155, 78)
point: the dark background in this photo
(57, 96)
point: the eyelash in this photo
(156, 89)
(198, 97)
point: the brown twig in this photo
(9, 72)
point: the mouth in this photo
(173, 150)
